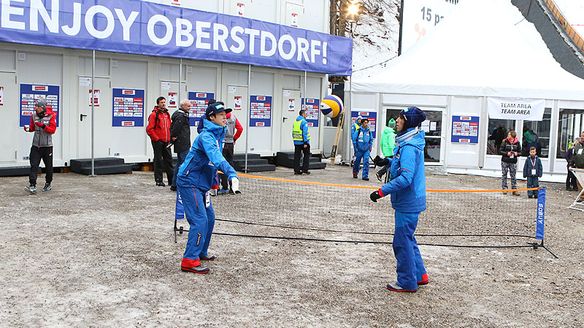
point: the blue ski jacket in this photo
(362, 139)
(408, 180)
(204, 159)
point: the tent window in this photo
(498, 130)
(571, 124)
(433, 128)
(537, 134)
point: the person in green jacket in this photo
(387, 144)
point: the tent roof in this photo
(480, 50)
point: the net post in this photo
(539, 219)
(540, 215)
(175, 230)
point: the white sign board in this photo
(420, 17)
(516, 109)
(96, 96)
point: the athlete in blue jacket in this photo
(362, 142)
(408, 198)
(195, 178)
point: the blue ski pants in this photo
(201, 217)
(410, 266)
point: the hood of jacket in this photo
(512, 140)
(300, 118)
(413, 137)
(217, 130)
(156, 108)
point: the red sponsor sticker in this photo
(260, 124)
(127, 123)
(201, 95)
(129, 92)
(40, 88)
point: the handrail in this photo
(574, 36)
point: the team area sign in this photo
(516, 109)
(146, 28)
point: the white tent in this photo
(484, 49)
(481, 50)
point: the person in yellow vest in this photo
(301, 139)
(356, 125)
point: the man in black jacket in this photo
(180, 135)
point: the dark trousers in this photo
(532, 182)
(571, 181)
(298, 150)
(162, 161)
(180, 158)
(36, 154)
(228, 154)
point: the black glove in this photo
(375, 196)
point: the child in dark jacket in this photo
(532, 170)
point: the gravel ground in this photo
(100, 252)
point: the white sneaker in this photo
(32, 189)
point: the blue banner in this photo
(30, 93)
(138, 27)
(260, 111)
(312, 108)
(540, 218)
(465, 129)
(370, 116)
(199, 103)
(128, 107)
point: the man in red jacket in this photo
(158, 130)
(44, 124)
